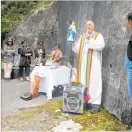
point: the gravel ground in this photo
(39, 119)
(11, 101)
(12, 105)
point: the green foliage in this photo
(13, 11)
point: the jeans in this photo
(128, 65)
(130, 83)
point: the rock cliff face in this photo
(51, 26)
(41, 25)
(109, 18)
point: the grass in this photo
(27, 115)
(49, 107)
(100, 121)
(103, 120)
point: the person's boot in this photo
(95, 108)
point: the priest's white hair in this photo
(90, 22)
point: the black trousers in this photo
(27, 70)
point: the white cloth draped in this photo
(51, 77)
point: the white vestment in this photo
(95, 83)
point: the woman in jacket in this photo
(8, 58)
(128, 60)
(25, 60)
(39, 53)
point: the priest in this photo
(89, 49)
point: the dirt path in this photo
(11, 101)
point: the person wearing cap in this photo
(89, 49)
(70, 41)
(25, 60)
(128, 59)
(8, 58)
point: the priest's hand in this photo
(88, 36)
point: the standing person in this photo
(70, 41)
(8, 58)
(25, 60)
(128, 59)
(89, 50)
(39, 53)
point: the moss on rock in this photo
(99, 121)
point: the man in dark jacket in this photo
(128, 60)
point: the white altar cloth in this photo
(51, 77)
